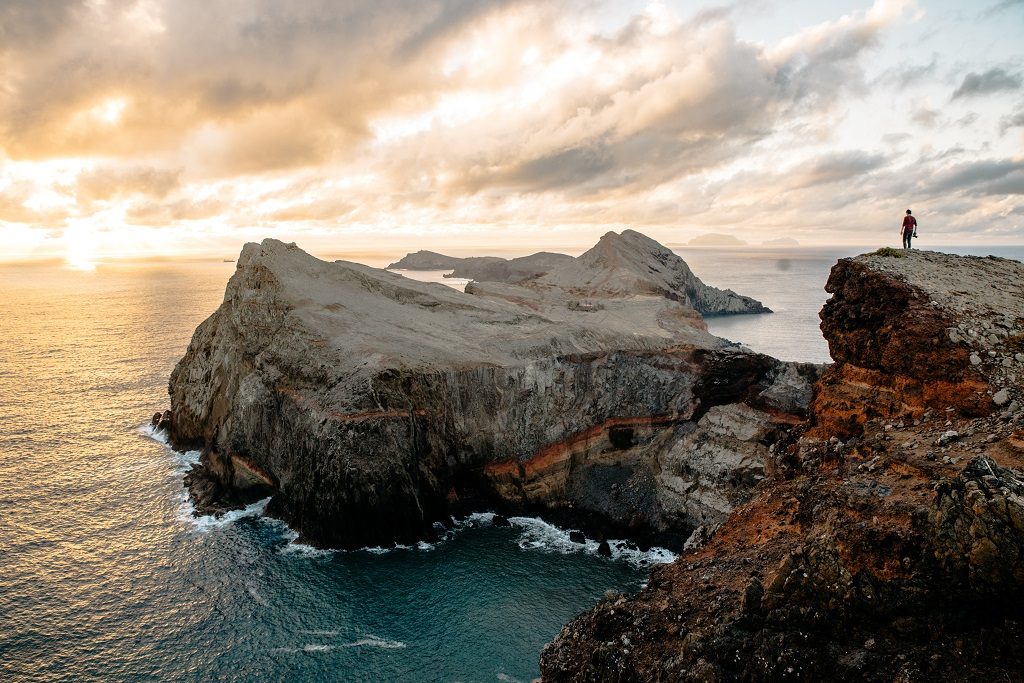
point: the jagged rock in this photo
(577, 537)
(500, 520)
(871, 563)
(887, 323)
(371, 405)
(629, 264)
(162, 421)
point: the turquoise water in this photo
(104, 574)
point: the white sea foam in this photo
(183, 459)
(536, 533)
(371, 640)
(292, 545)
(545, 537)
(204, 523)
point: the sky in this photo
(165, 128)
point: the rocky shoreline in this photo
(887, 545)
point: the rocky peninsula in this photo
(887, 541)
(372, 407)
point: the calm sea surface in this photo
(104, 573)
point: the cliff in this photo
(886, 542)
(371, 406)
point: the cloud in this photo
(1002, 6)
(108, 183)
(34, 23)
(836, 167)
(1014, 120)
(426, 115)
(990, 176)
(185, 68)
(929, 118)
(996, 79)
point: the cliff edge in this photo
(887, 544)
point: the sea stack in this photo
(371, 406)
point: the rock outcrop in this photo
(431, 260)
(512, 270)
(621, 267)
(484, 268)
(884, 544)
(371, 406)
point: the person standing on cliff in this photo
(909, 229)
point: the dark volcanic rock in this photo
(863, 557)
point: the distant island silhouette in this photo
(716, 239)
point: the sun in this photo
(108, 112)
(79, 248)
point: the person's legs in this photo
(906, 240)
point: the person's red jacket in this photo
(909, 224)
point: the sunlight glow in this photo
(110, 111)
(80, 251)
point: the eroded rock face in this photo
(916, 332)
(371, 406)
(889, 552)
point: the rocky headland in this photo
(886, 542)
(372, 407)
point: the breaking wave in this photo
(535, 533)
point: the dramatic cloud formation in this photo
(510, 123)
(990, 81)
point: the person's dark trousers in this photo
(906, 239)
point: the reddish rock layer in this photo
(893, 555)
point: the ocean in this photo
(106, 575)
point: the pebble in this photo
(1019, 357)
(1001, 397)
(948, 437)
(975, 359)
